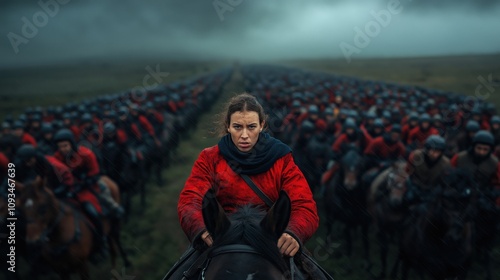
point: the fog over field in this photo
(53, 31)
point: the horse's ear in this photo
(214, 216)
(276, 219)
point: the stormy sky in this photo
(33, 33)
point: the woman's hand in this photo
(207, 238)
(288, 245)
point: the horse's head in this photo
(396, 183)
(256, 231)
(40, 211)
(352, 166)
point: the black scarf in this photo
(260, 159)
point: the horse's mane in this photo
(245, 229)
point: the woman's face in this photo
(244, 128)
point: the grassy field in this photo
(153, 237)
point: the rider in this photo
(46, 144)
(419, 134)
(464, 139)
(83, 164)
(425, 168)
(480, 162)
(18, 131)
(351, 136)
(382, 151)
(411, 124)
(32, 163)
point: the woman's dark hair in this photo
(241, 102)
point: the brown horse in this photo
(60, 232)
(385, 205)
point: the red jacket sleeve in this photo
(121, 136)
(91, 162)
(369, 150)
(337, 145)
(411, 135)
(63, 172)
(191, 197)
(28, 139)
(453, 161)
(147, 125)
(304, 220)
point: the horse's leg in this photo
(395, 267)
(487, 263)
(348, 240)
(366, 244)
(405, 270)
(83, 271)
(382, 240)
(115, 236)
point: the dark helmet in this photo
(307, 127)
(313, 109)
(5, 125)
(26, 152)
(86, 118)
(437, 118)
(495, 119)
(413, 116)
(46, 128)
(378, 123)
(435, 142)
(123, 111)
(65, 135)
(396, 128)
(386, 114)
(17, 124)
(371, 115)
(296, 104)
(425, 118)
(66, 116)
(328, 111)
(109, 128)
(472, 126)
(483, 137)
(350, 123)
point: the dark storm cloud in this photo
(231, 29)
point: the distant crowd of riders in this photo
(431, 132)
(126, 136)
(320, 116)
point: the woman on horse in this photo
(245, 150)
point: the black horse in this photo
(122, 166)
(245, 241)
(346, 199)
(438, 237)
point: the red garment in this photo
(28, 139)
(62, 171)
(418, 136)
(4, 165)
(158, 116)
(405, 132)
(211, 169)
(378, 147)
(362, 142)
(147, 125)
(76, 131)
(83, 163)
(121, 136)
